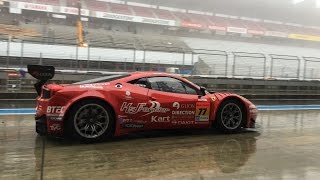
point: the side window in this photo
(143, 82)
(172, 85)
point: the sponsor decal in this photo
(128, 93)
(55, 109)
(202, 111)
(129, 108)
(202, 100)
(41, 74)
(214, 98)
(183, 122)
(132, 125)
(55, 127)
(182, 112)
(177, 105)
(93, 86)
(54, 118)
(158, 119)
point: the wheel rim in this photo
(231, 116)
(91, 121)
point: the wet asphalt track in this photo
(285, 146)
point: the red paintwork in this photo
(64, 96)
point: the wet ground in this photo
(285, 146)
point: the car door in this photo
(133, 104)
(177, 104)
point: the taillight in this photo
(46, 93)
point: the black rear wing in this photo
(42, 73)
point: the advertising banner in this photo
(35, 7)
(304, 37)
(74, 11)
(237, 30)
(220, 28)
(191, 25)
(122, 17)
(276, 34)
(255, 32)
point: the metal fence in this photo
(17, 54)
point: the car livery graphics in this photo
(120, 104)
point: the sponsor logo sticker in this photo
(129, 108)
(158, 119)
(55, 127)
(55, 109)
(178, 105)
(202, 111)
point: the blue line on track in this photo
(26, 111)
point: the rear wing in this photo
(42, 73)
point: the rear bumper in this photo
(41, 125)
(46, 126)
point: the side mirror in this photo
(203, 90)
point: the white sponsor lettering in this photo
(202, 118)
(94, 86)
(132, 125)
(129, 108)
(55, 109)
(160, 119)
(182, 112)
(123, 17)
(183, 122)
(35, 7)
(177, 105)
(237, 30)
(55, 127)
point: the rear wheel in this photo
(230, 116)
(90, 120)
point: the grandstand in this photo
(123, 36)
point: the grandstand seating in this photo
(164, 14)
(96, 5)
(141, 11)
(49, 2)
(108, 39)
(72, 3)
(120, 9)
(204, 20)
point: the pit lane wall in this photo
(254, 89)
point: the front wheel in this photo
(230, 116)
(90, 120)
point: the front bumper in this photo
(253, 113)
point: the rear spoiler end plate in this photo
(42, 73)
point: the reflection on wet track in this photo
(285, 146)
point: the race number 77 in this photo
(202, 111)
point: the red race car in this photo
(120, 104)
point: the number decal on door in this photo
(202, 111)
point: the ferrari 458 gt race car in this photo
(120, 104)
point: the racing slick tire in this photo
(90, 121)
(230, 116)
